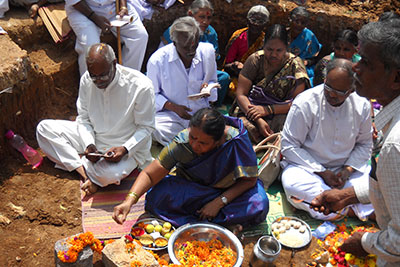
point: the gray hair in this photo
(385, 35)
(199, 4)
(340, 63)
(185, 25)
(299, 11)
(102, 49)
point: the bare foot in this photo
(33, 10)
(89, 188)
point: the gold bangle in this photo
(124, 8)
(134, 195)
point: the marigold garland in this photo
(77, 243)
(340, 258)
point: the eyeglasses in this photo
(102, 78)
(340, 93)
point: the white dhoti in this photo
(133, 35)
(4, 7)
(302, 184)
(60, 141)
(168, 124)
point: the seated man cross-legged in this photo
(178, 70)
(115, 117)
(327, 141)
(215, 180)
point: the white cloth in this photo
(302, 184)
(133, 35)
(145, 10)
(3, 7)
(318, 136)
(385, 191)
(120, 115)
(173, 83)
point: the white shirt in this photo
(120, 115)
(97, 3)
(318, 136)
(384, 192)
(145, 10)
(173, 83)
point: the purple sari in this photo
(177, 199)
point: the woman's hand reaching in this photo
(121, 212)
(264, 128)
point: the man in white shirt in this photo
(327, 142)
(377, 77)
(90, 18)
(178, 70)
(115, 118)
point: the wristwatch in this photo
(224, 200)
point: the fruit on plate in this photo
(167, 235)
(158, 228)
(150, 228)
(167, 225)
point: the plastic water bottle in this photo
(30, 154)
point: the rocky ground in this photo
(39, 207)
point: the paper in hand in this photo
(204, 92)
(119, 22)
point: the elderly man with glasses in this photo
(327, 142)
(112, 133)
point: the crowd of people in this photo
(273, 81)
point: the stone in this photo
(115, 255)
(85, 257)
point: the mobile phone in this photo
(107, 155)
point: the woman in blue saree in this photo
(215, 177)
(304, 43)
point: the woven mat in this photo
(97, 210)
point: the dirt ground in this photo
(49, 199)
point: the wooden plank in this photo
(49, 25)
(56, 22)
(58, 17)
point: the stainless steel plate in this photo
(302, 239)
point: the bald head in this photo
(340, 63)
(339, 81)
(100, 53)
(101, 64)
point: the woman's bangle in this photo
(272, 109)
(124, 8)
(90, 15)
(134, 195)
